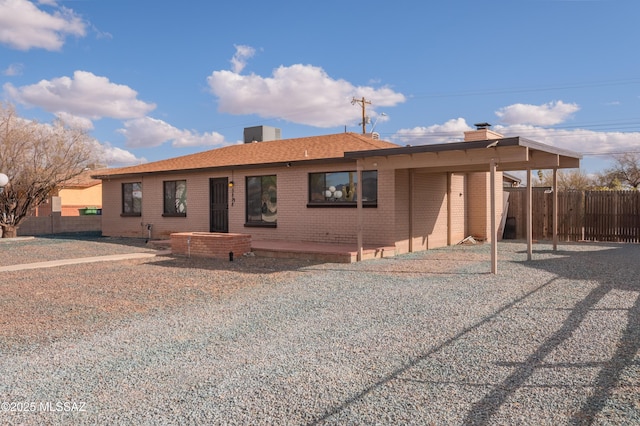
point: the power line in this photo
(586, 85)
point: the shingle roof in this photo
(83, 180)
(260, 153)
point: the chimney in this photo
(483, 132)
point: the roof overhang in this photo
(509, 154)
(128, 175)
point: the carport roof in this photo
(513, 153)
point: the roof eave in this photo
(461, 146)
(229, 167)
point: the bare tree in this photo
(625, 170)
(36, 157)
(606, 182)
(572, 180)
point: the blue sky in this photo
(158, 79)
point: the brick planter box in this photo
(210, 244)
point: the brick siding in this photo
(214, 245)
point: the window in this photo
(175, 198)
(132, 199)
(262, 201)
(337, 189)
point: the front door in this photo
(219, 209)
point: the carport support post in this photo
(529, 216)
(555, 209)
(494, 231)
(360, 217)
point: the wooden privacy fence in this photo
(582, 215)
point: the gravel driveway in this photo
(426, 338)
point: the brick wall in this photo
(214, 245)
(459, 211)
(479, 208)
(295, 219)
(401, 210)
(429, 211)
(387, 225)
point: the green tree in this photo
(36, 157)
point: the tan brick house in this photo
(307, 189)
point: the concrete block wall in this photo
(57, 224)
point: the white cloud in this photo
(117, 157)
(538, 115)
(23, 26)
(302, 94)
(451, 131)
(239, 60)
(587, 142)
(75, 121)
(113, 156)
(528, 121)
(13, 70)
(189, 139)
(84, 95)
(148, 132)
(101, 35)
(578, 140)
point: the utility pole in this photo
(363, 103)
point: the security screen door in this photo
(219, 210)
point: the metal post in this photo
(555, 209)
(529, 216)
(360, 217)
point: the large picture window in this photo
(175, 198)
(262, 201)
(132, 199)
(340, 189)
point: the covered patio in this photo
(492, 154)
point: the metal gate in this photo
(219, 209)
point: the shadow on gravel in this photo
(574, 265)
(414, 362)
(615, 269)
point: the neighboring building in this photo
(74, 195)
(510, 181)
(306, 189)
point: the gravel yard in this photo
(426, 338)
